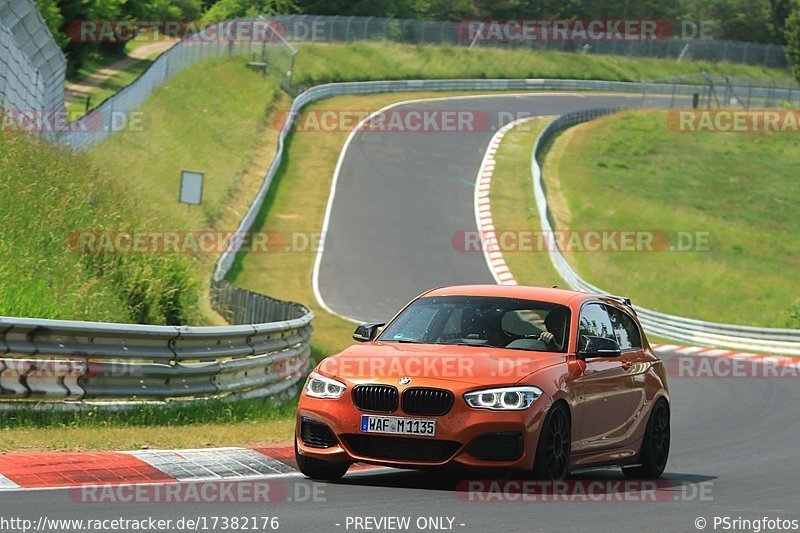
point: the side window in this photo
(625, 329)
(595, 323)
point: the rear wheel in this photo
(555, 443)
(318, 468)
(655, 444)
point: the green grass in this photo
(47, 197)
(209, 424)
(512, 209)
(630, 171)
(325, 63)
(210, 118)
(176, 414)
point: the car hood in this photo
(427, 364)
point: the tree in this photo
(792, 32)
(164, 9)
(779, 12)
(233, 9)
(51, 14)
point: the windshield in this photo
(482, 321)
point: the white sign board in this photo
(191, 187)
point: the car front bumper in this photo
(464, 436)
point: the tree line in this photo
(762, 21)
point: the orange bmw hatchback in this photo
(488, 376)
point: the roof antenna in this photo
(554, 287)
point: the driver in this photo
(554, 322)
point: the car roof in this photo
(542, 294)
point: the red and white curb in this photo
(48, 470)
(483, 208)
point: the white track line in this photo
(357, 129)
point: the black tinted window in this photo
(625, 329)
(595, 323)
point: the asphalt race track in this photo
(399, 199)
(735, 439)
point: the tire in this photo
(655, 444)
(318, 468)
(555, 443)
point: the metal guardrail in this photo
(123, 364)
(688, 330)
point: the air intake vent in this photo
(316, 434)
(427, 402)
(376, 398)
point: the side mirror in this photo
(367, 332)
(599, 347)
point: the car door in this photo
(629, 337)
(604, 388)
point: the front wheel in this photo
(319, 469)
(555, 443)
(655, 444)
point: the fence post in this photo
(366, 27)
(347, 30)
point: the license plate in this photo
(394, 425)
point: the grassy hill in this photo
(210, 118)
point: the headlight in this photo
(505, 399)
(318, 386)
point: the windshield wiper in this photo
(404, 341)
(461, 343)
